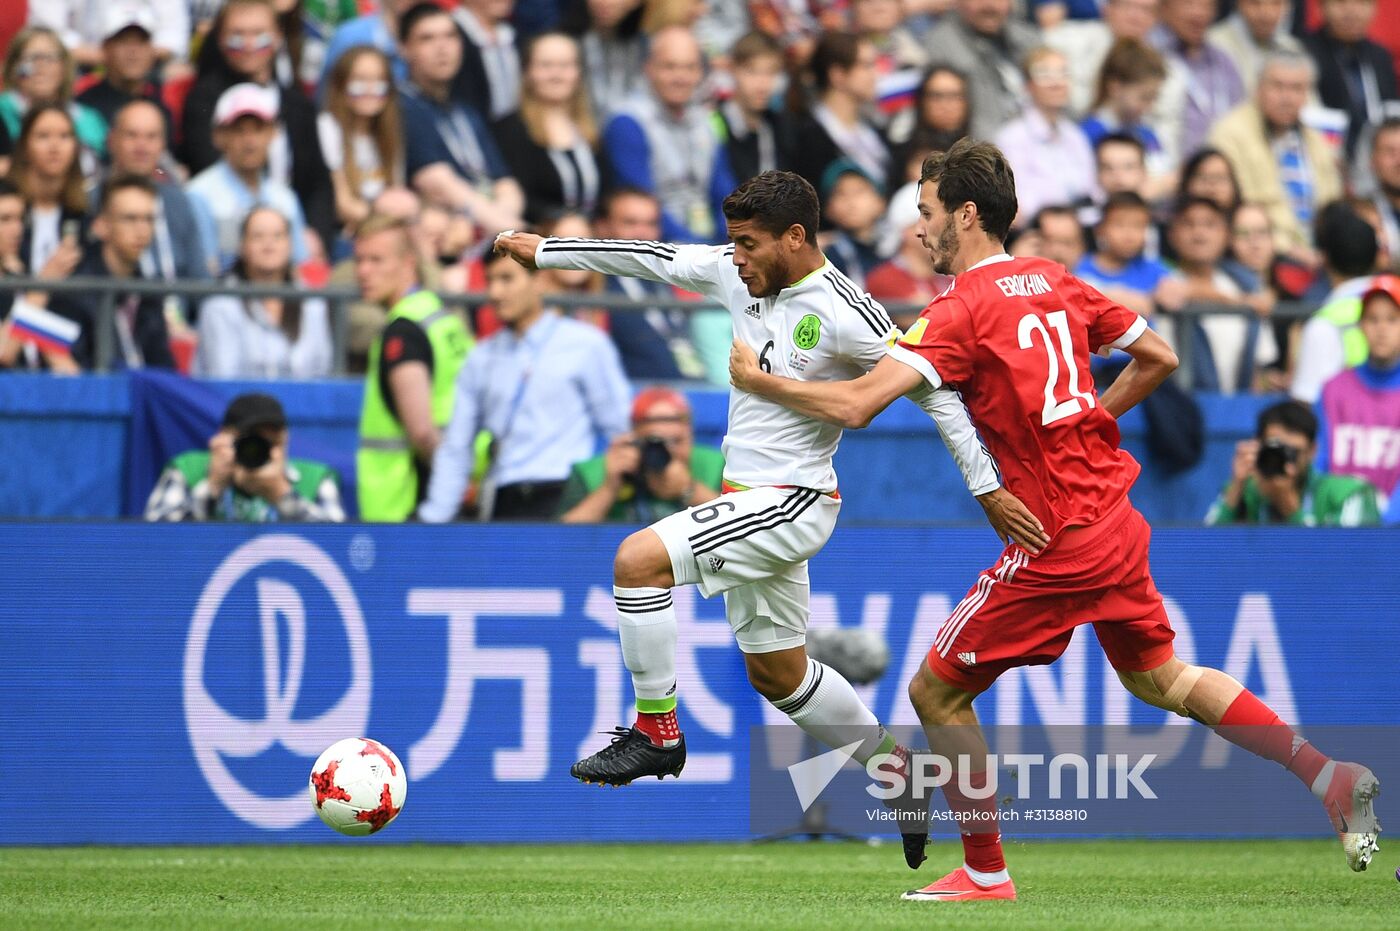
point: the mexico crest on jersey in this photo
(808, 332)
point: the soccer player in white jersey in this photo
(807, 321)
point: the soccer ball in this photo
(358, 786)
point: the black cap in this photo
(254, 410)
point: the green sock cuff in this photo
(656, 705)
(887, 745)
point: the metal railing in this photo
(338, 300)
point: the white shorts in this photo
(753, 546)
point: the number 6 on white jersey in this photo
(1056, 410)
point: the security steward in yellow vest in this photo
(411, 375)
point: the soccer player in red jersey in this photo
(1015, 337)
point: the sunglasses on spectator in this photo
(257, 43)
(367, 88)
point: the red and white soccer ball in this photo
(358, 786)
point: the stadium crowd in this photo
(1176, 154)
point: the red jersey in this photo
(1015, 336)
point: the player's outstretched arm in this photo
(1153, 361)
(694, 268)
(851, 404)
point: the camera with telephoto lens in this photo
(252, 450)
(656, 454)
(1274, 458)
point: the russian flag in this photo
(896, 90)
(43, 328)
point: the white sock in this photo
(1323, 780)
(646, 624)
(827, 707)
(986, 879)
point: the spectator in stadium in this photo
(245, 130)
(488, 79)
(982, 41)
(652, 470)
(48, 172)
(1226, 348)
(1052, 159)
(1273, 481)
(835, 127)
(38, 71)
(1251, 33)
(1331, 339)
(1209, 174)
(1059, 235)
(81, 25)
(1085, 43)
(1385, 168)
(16, 349)
(1120, 165)
(1281, 164)
(940, 117)
(137, 147)
(123, 228)
(1213, 85)
(263, 338)
(412, 370)
(451, 158)
(881, 23)
(1355, 75)
(551, 144)
(246, 475)
(1119, 268)
(614, 48)
(536, 397)
(907, 277)
(755, 135)
(1359, 411)
(663, 141)
(853, 203)
(128, 62)
(243, 48)
(1251, 265)
(361, 133)
(654, 344)
(1128, 88)
(378, 28)
(557, 282)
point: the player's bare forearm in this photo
(1153, 362)
(851, 404)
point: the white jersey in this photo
(822, 328)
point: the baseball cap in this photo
(650, 398)
(129, 15)
(245, 100)
(1389, 285)
(254, 410)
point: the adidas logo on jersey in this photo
(716, 563)
(968, 659)
(752, 311)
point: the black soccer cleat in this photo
(631, 755)
(912, 813)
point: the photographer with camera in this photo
(653, 471)
(1273, 481)
(246, 475)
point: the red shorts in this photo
(1023, 611)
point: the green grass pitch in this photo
(1097, 884)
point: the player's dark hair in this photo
(1124, 200)
(415, 15)
(1120, 139)
(1293, 416)
(776, 201)
(125, 182)
(1348, 242)
(977, 172)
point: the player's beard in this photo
(946, 249)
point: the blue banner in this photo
(173, 684)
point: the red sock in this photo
(978, 823)
(660, 728)
(1251, 724)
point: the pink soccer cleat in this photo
(1348, 804)
(957, 886)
